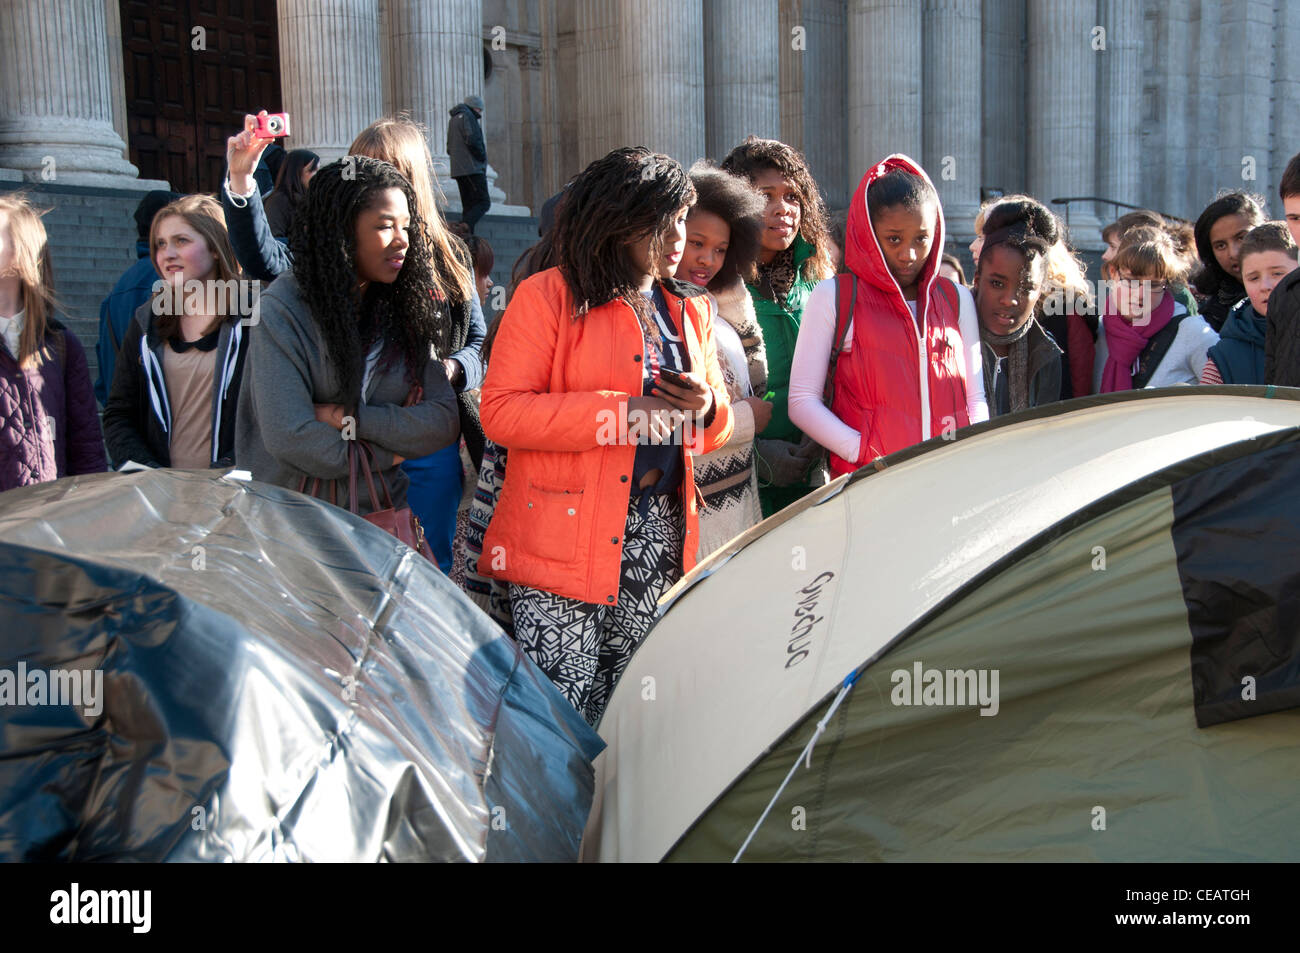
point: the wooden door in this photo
(192, 69)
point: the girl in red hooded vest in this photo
(909, 366)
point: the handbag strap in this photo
(360, 454)
(843, 318)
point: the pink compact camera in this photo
(272, 126)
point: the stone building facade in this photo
(1150, 102)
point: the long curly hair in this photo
(618, 200)
(756, 155)
(403, 315)
(730, 198)
(1210, 277)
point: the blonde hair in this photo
(1150, 253)
(400, 142)
(31, 266)
(202, 213)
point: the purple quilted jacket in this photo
(49, 421)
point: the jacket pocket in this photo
(554, 519)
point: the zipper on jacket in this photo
(157, 387)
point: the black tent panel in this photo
(1237, 534)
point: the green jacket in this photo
(780, 324)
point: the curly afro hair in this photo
(730, 198)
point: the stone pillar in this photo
(792, 58)
(1003, 100)
(1120, 120)
(329, 72)
(1286, 95)
(951, 152)
(822, 99)
(1245, 55)
(1062, 110)
(56, 102)
(1168, 167)
(742, 72)
(884, 100)
(596, 55)
(116, 72)
(661, 76)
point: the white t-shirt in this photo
(812, 358)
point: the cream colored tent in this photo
(1115, 583)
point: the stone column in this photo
(1120, 121)
(56, 103)
(822, 99)
(951, 152)
(599, 92)
(1003, 100)
(1062, 110)
(1245, 55)
(1168, 167)
(661, 76)
(329, 72)
(884, 101)
(433, 59)
(742, 72)
(1286, 93)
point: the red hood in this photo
(862, 254)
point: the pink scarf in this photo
(1124, 343)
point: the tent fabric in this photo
(1094, 713)
(1238, 541)
(280, 681)
(757, 638)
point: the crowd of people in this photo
(683, 352)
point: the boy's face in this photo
(1260, 273)
(1291, 206)
(1006, 289)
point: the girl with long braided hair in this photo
(603, 385)
(349, 341)
(436, 479)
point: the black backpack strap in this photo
(1155, 351)
(843, 317)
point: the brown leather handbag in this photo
(399, 523)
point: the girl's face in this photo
(949, 272)
(307, 172)
(1006, 289)
(1226, 236)
(783, 214)
(976, 247)
(707, 237)
(1136, 297)
(382, 237)
(906, 236)
(674, 243)
(1112, 246)
(180, 253)
(484, 284)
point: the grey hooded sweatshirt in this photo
(277, 435)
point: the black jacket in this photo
(137, 419)
(1282, 344)
(1045, 369)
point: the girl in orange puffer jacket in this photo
(598, 514)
